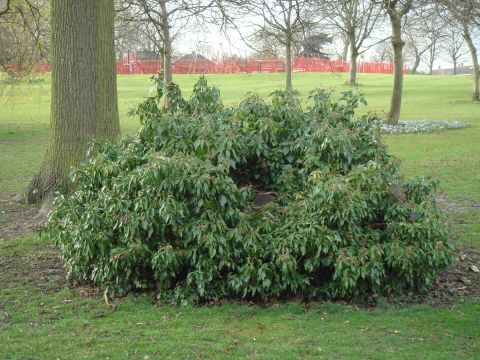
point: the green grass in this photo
(452, 156)
(39, 321)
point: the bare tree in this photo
(307, 44)
(355, 20)
(466, 14)
(415, 46)
(454, 45)
(396, 10)
(24, 32)
(282, 20)
(383, 52)
(133, 36)
(423, 31)
(433, 28)
(266, 46)
(164, 16)
(312, 43)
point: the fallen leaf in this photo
(474, 268)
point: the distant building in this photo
(142, 62)
(194, 64)
(140, 55)
(461, 70)
(148, 55)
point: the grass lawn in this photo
(42, 318)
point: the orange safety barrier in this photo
(202, 65)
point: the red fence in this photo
(138, 67)
(245, 65)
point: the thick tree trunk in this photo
(397, 46)
(454, 66)
(84, 90)
(476, 74)
(352, 80)
(288, 65)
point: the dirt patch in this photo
(457, 281)
(16, 219)
(40, 268)
(458, 205)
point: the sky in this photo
(213, 43)
(209, 41)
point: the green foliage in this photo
(172, 207)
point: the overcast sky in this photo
(211, 42)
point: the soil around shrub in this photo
(43, 268)
(459, 280)
(16, 219)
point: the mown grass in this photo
(39, 321)
(452, 156)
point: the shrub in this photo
(260, 200)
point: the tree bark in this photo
(473, 53)
(454, 66)
(84, 90)
(288, 64)
(397, 46)
(432, 50)
(345, 50)
(167, 45)
(416, 64)
(352, 81)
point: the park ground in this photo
(43, 316)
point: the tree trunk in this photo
(352, 81)
(455, 66)
(288, 65)
(416, 64)
(473, 53)
(167, 45)
(84, 90)
(345, 50)
(433, 50)
(397, 46)
(167, 63)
